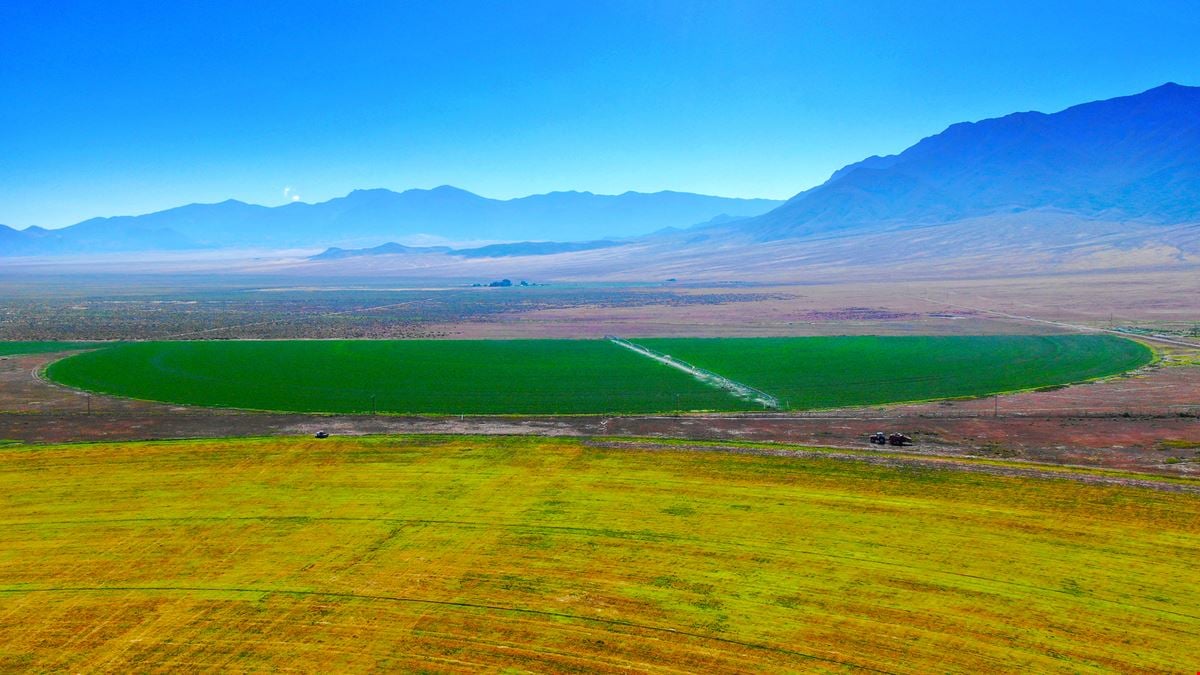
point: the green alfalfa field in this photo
(827, 372)
(586, 376)
(539, 554)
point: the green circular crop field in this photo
(586, 376)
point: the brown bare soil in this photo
(899, 306)
(262, 308)
(775, 311)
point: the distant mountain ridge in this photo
(1132, 158)
(1103, 185)
(514, 249)
(1106, 185)
(374, 216)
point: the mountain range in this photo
(372, 217)
(1106, 184)
(1133, 158)
(520, 248)
(1111, 184)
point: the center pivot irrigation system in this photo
(742, 391)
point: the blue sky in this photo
(121, 108)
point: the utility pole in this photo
(88, 397)
(372, 404)
(996, 405)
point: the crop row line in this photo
(443, 603)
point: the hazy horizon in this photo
(127, 108)
(398, 190)
(293, 197)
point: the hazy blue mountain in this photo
(533, 248)
(373, 216)
(490, 251)
(390, 248)
(89, 238)
(1134, 158)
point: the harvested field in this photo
(543, 554)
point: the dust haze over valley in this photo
(629, 337)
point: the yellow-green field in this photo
(544, 554)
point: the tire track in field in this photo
(737, 389)
(946, 462)
(633, 535)
(617, 534)
(458, 604)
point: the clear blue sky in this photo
(112, 107)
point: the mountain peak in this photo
(1169, 91)
(1130, 158)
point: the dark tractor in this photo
(321, 434)
(899, 439)
(878, 438)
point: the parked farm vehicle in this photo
(879, 438)
(321, 434)
(899, 439)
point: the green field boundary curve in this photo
(557, 390)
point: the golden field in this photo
(521, 553)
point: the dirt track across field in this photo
(737, 389)
(898, 459)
